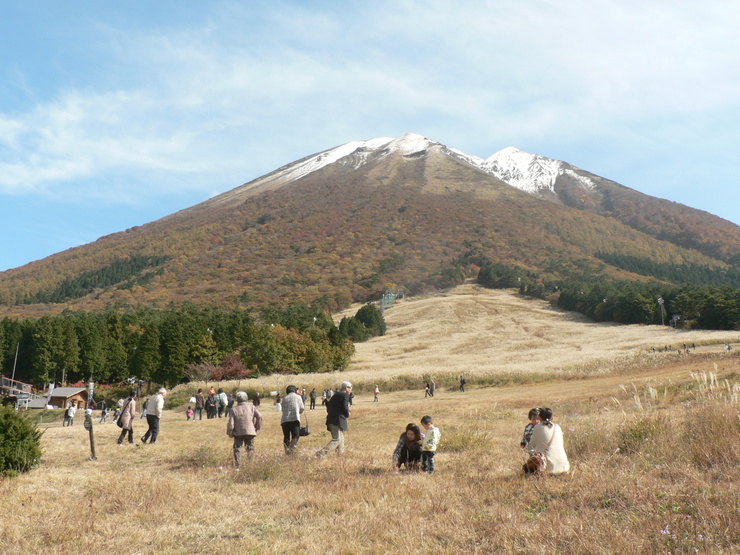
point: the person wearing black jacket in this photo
(337, 413)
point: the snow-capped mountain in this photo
(347, 221)
(531, 173)
(413, 159)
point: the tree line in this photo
(692, 305)
(174, 345)
(675, 273)
(114, 274)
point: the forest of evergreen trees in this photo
(118, 272)
(675, 273)
(171, 346)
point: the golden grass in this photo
(653, 448)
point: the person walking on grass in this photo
(126, 418)
(211, 405)
(200, 403)
(244, 422)
(69, 415)
(376, 392)
(463, 381)
(312, 396)
(223, 402)
(292, 408)
(337, 413)
(153, 414)
(429, 444)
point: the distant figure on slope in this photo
(245, 421)
(376, 392)
(547, 438)
(463, 381)
(408, 449)
(432, 387)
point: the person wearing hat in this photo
(245, 421)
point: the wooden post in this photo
(89, 427)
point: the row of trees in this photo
(173, 345)
(675, 273)
(705, 306)
(627, 302)
(114, 274)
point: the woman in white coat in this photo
(547, 438)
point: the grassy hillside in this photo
(647, 436)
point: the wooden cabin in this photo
(62, 397)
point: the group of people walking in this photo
(125, 420)
(245, 421)
(217, 404)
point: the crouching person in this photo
(245, 421)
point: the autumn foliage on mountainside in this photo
(337, 236)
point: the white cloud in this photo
(251, 88)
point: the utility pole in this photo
(15, 362)
(660, 303)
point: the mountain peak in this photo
(525, 171)
(411, 143)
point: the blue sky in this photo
(115, 114)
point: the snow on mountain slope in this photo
(528, 172)
(531, 172)
(356, 152)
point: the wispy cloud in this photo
(213, 102)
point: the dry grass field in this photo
(652, 438)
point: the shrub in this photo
(20, 443)
(372, 318)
